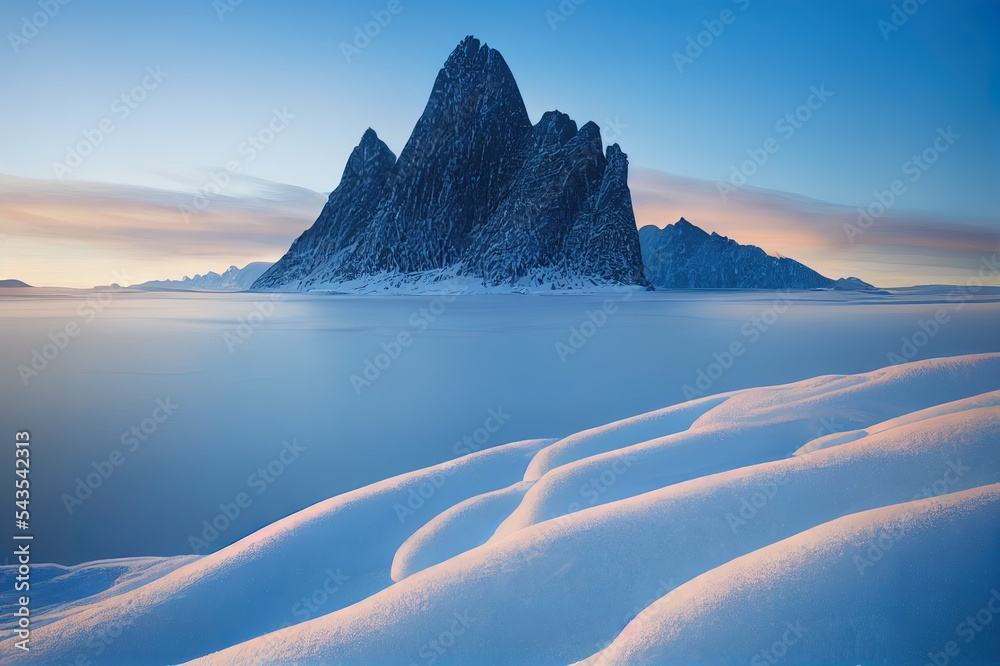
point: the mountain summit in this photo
(477, 193)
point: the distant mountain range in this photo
(11, 284)
(233, 279)
(683, 256)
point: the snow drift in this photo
(891, 590)
(642, 541)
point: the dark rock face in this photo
(579, 207)
(682, 256)
(477, 189)
(348, 212)
(450, 175)
(601, 241)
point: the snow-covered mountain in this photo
(477, 194)
(683, 256)
(232, 279)
(843, 519)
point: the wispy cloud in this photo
(79, 233)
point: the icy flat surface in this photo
(290, 379)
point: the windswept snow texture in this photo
(687, 535)
(54, 585)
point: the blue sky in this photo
(611, 62)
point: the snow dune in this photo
(906, 584)
(316, 561)
(553, 592)
(462, 527)
(619, 434)
(751, 427)
(652, 537)
(990, 399)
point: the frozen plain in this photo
(292, 377)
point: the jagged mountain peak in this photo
(682, 229)
(685, 226)
(473, 55)
(369, 138)
(556, 130)
(477, 190)
(587, 144)
(555, 127)
(369, 156)
(590, 132)
(476, 78)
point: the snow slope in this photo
(543, 552)
(990, 399)
(750, 427)
(896, 563)
(332, 554)
(554, 592)
(462, 527)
